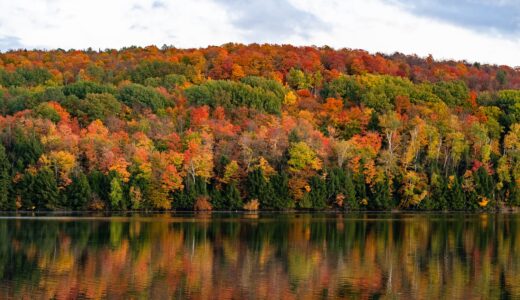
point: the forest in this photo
(255, 127)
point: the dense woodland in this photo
(247, 127)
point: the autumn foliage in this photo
(255, 127)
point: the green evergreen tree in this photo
(100, 185)
(350, 193)
(185, 198)
(25, 150)
(259, 188)
(339, 182)
(514, 197)
(484, 183)
(5, 181)
(318, 193)
(40, 191)
(360, 187)
(456, 196)
(216, 199)
(231, 197)
(437, 196)
(381, 196)
(282, 198)
(78, 193)
(116, 194)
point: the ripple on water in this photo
(261, 256)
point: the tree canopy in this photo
(255, 127)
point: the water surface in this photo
(260, 256)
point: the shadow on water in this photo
(259, 255)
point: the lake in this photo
(260, 256)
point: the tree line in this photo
(255, 127)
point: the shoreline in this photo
(245, 212)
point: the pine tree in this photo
(116, 194)
(78, 193)
(40, 191)
(514, 197)
(4, 181)
(99, 184)
(456, 196)
(340, 183)
(231, 197)
(360, 188)
(259, 188)
(484, 183)
(26, 150)
(254, 185)
(350, 193)
(382, 197)
(216, 199)
(185, 199)
(282, 198)
(318, 193)
(437, 196)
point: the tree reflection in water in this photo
(266, 256)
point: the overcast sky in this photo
(476, 30)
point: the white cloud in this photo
(378, 27)
(374, 25)
(115, 23)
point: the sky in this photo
(486, 31)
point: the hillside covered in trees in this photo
(255, 127)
